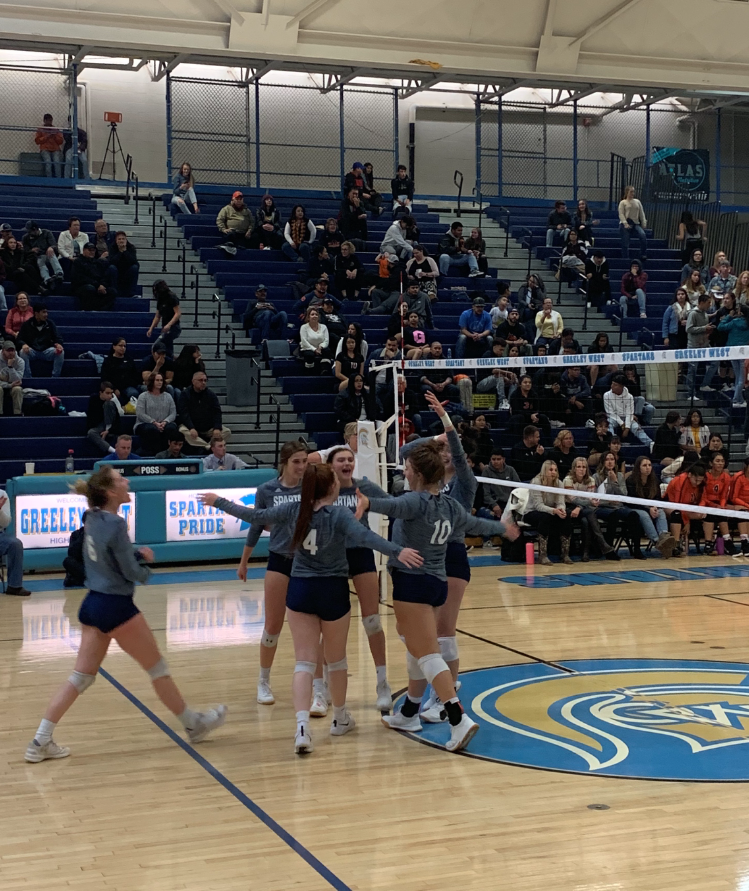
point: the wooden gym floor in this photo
(136, 809)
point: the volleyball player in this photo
(350, 438)
(317, 600)
(109, 613)
(426, 519)
(292, 460)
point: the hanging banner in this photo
(689, 169)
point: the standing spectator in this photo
(633, 290)
(632, 219)
(695, 434)
(353, 219)
(168, 312)
(737, 328)
(667, 446)
(220, 459)
(715, 494)
(263, 315)
(525, 408)
(12, 549)
(674, 328)
(332, 237)
(299, 234)
(82, 153)
(12, 371)
(102, 239)
(200, 413)
(314, 343)
(699, 330)
(123, 258)
(91, 281)
(102, 417)
(549, 323)
(50, 141)
(39, 339)
(375, 198)
(495, 497)
(722, 283)
(183, 190)
(620, 409)
(70, 243)
(696, 262)
(349, 272)
(526, 456)
(402, 189)
(186, 364)
(40, 244)
(17, 315)
(20, 267)
(583, 222)
(120, 370)
(475, 327)
(155, 414)
(453, 252)
(559, 223)
(643, 483)
(267, 232)
(599, 285)
(691, 234)
(477, 246)
(548, 513)
(235, 223)
(158, 361)
(395, 242)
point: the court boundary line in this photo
(286, 837)
(725, 598)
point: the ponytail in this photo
(317, 482)
(96, 487)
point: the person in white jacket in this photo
(395, 242)
(619, 405)
(632, 219)
(71, 242)
(12, 549)
(314, 343)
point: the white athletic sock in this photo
(264, 674)
(302, 718)
(382, 673)
(745, 537)
(726, 536)
(45, 731)
(188, 719)
(318, 686)
(325, 673)
(339, 713)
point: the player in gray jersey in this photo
(108, 613)
(317, 600)
(425, 518)
(292, 460)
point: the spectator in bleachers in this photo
(694, 287)
(643, 409)
(348, 361)
(475, 326)
(355, 179)
(501, 310)
(168, 313)
(723, 282)
(695, 434)
(737, 328)
(102, 239)
(155, 412)
(17, 315)
(102, 417)
(375, 198)
(395, 242)
(313, 298)
(12, 371)
(598, 291)
(696, 262)
(158, 361)
(414, 343)
(572, 262)
(354, 402)
(332, 237)
(173, 450)
(124, 259)
(549, 324)
(388, 353)
(120, 370)
(495, 497)
(353, 219)
(50, 141)
(220, 459)
(453, 252)
(579, 479)
(548, 513)
(498, 381)
(267, 231)
(633, 290)
(559, 223)
(667, 447)
(402, 190)
(321, 265)
(422, 267)
(525, 408)
(741, 290)
(484, 442)
(186, 364)
(354, 330)
(123, 450)
(477, 245)
(40, 245)
(618, 517)
(12, 549)
(620, 410)
(531, 295)
(691, 234)
(39, 339)
(715, 444)
(600, 440)
(699, 330)
(82, 153)
(513, 332)
(299, 235)
(262, 314)
(408, 407)
(349, 272)
(717, 258)
(235, 222)
(632, 219)
(582, 222)
(526, 456)
(20, 267)
(6, 232)
(600, 345)
(566, 343)
(643, 483)
(576, 391)
(414, 300)
(91, 281)
(183, 190)
(70, 243)
(438, 380)
(331, 317)
(674, 327)
(314, 343)
(564, 452)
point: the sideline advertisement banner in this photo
(47, 521)
(188, 520)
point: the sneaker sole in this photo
(220, 723)
(304, 749)
(35, 759)
(266, 701)
(403, 729)
(345, 728)
(465, 740)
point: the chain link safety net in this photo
(27, 95)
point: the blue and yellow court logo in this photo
(638, 718)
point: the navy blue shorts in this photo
(106, 611)
(279, 563)
(421, 588)
(326, 597)
(456, 561)
(360, 560)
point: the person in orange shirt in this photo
(739, 500)
(715, 494)
(50, 141)
(685, 488)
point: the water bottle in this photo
(449, 353)
(70, 462)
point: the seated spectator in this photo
(495, 497)
(414, 300)
(477, 246)
(566, 343)
(168, 313)
(598, 291)
(695, 434)
(559, 223)
(715, 495)
(408, 407)
(395, 242)
(262, 314)
(686, 487)
(531, 296)
(348, 361)
(564, 452)
(667, 448)
(185, 365)
(500, 380)
(643, 409)
(583, 222)
(402, 190)
(579, 479)
(124, 259)
(620, 410)
(41, 246)
(354, 402)
(643, 483)
(75, 570)
(741, 291)
(12, 371)
(353, 219)
(475, 327)
(200, 413)
(600, 441)
(123, 450)
(235, 223)
(501, 309)
(299, 234)
(717, 258)
(633, 290)
(632, 219)
(696, 263)
(331, 317)
(20, 267)
(484, 443)
(349, 272)
(158, 361)
(175, 442)
(739, 500)
(737, 328)
(414, 343)
(39, 339)
(92, 282)
(320, 266)
(453, 252)
(102, 239)
(119, 369)
(388, 353)
(375, 198)
(724, 282)
(6, 232)
(574, 255)
(314, 343)
(600, 344)
(70, 244)
(524, 405)
(332, 237)
(438, 380)
(314, 298)
(674, 327)
(220, 459)
(619, 518)
(82, 171)
(12, 549)
(513, 332)
(526, 456)
(183, 190)
(691, 233)
(102, 418)
(356, 179)
(17, 315)
(50, 141)
(155, 412)
(576, 392)
(715, 444)
(548, 513)
(423, 268)
(354, 329)
(549, 324)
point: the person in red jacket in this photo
(50, 141)
(633, 289)
(685, 488)
(738, 498)
(715, 494)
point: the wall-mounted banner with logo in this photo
(188, 520)
(47, 521)
(689, 169)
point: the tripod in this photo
(113, 146)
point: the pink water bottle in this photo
(720, 546)
(530, 557)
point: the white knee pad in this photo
(448, 648)
(372, 624)
(269, 640)
(412, 666)
(160, 670)
(432, 665)
(81, 681)
(309, 667)
(341, 665)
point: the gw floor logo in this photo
(636, 718)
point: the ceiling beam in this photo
(261, 72)
(496, 91)
(418, 86)
(164, 68)
(231, 10)
(573, 96)
(316, 6)
(605, 20)
(332, 82)
(551, 8)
